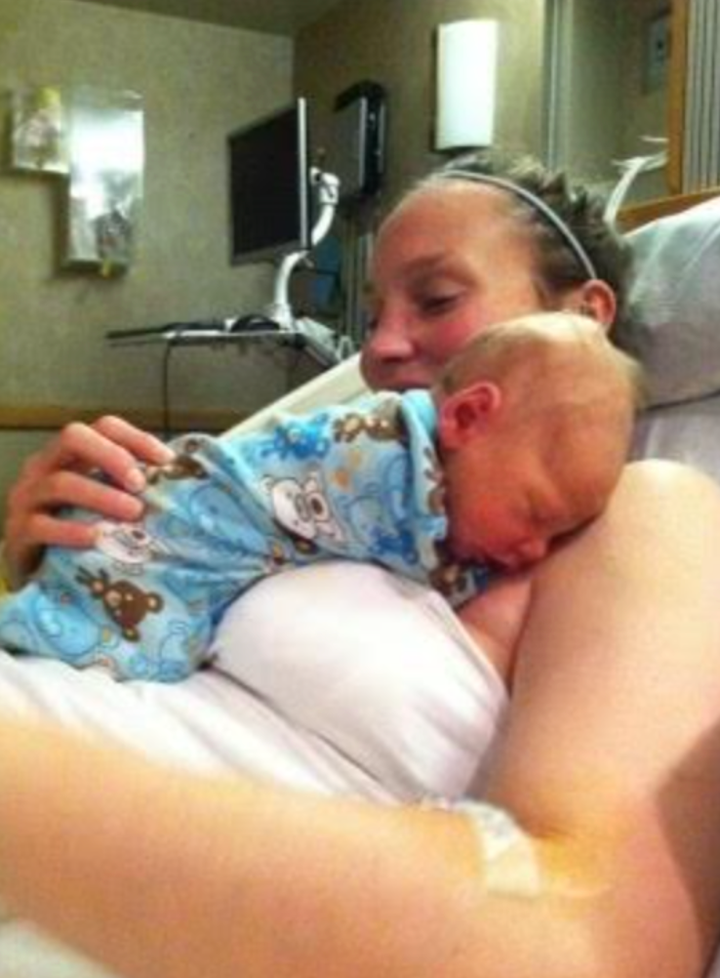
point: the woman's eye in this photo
(436, 304)
(370, 312)
(370, 321)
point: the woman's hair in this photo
(581, 210)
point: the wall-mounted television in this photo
(269, 178)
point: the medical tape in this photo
(511, 866)
(538, 204)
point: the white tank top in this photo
(375, 674)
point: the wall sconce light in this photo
(466, 73)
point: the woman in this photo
(607, 787)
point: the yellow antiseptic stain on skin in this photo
(517, 862)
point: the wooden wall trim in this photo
(51, 418)
(676, 94)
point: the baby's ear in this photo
(466, 412)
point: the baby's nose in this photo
(533, 550)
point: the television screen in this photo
(270, 186)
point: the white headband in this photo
(538, 203)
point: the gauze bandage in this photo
(511, 865)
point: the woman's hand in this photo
(57, 476)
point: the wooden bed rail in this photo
(638, 214)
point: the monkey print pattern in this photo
(449, 576)
(434, 475)
(303, 508)
(183, 466)
(129, 545)
(125, 602)
(384, 424)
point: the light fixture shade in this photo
(466, 73)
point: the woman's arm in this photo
(613, 747)
(163, 875)
(612, 763)
(56, 476)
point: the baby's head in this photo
(535, 422)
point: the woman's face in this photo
(449, 261)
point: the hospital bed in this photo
(675, 305)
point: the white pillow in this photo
(683, 432)
(675, 304)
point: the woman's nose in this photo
(390, 338)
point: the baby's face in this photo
(506, 503)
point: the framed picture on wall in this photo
(39, 131)
(106, 177)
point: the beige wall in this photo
(605, 105)
(392, 42)
(590, 88)
(198, 82)
(646, 108)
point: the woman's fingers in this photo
(43, 529)
(57, 476)
(110, 445)
(65, 488)
(140, 444)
